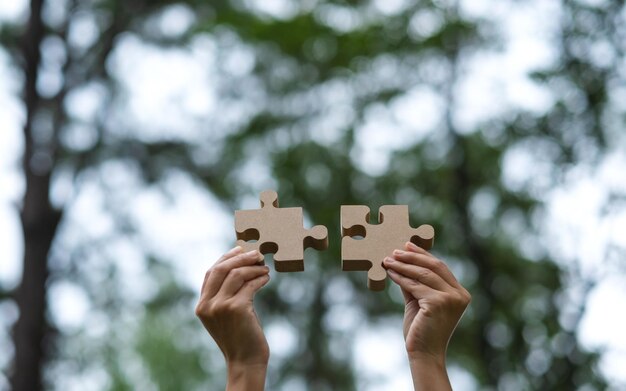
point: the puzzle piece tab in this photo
(280, 231)
(379, 240)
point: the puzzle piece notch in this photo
(379, 240)
(268, 199)
(279, 231)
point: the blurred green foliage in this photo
(319, 60)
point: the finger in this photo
(250, 288)
(228, 254)
(407, 295)
(420, 257)
(411, 289)
(418, 273)
(221, 270)
(239, 276)
(428, 260)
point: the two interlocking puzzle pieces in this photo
(280, 231)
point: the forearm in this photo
(429, 374)
(246, 377)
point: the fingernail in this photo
(391, 271)
(235, 249)
(398, 252)
(389, 260)
(250, 253)
(412, 245)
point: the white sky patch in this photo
(603, 326)
(84, 102)
(69, 305)
(256, 174)
(176, 20)
(612, 365)
(579, 217)
(279, 9)
(424, 23)
(497, 81)
(191, 230)
(88, 215)
(578, 222)
(579, 230)
(282, 338)
(419, 111)
(165, 86)
(331, 125)
(391, 7)
(11, 246)
(478, 93)
(55, 12)
(83, 30)
(13, 11)
(239, 61)
(380, 358)
(129, 258)
(339, 18)
(529, 48)
(388, 128)
(343, 317)
(94, 377)
(53, 57)
(528, 165)
(461, 379)
(11, 183)
(375, 141)
(476, 9)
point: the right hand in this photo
(226, 307)
(434, 300)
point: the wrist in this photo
(246, 376)
(434, 361)
(429, 372)
(238, 366)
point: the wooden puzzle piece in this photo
(379, 240)
(280, 231)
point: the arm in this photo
(434, 304)
(227, 312)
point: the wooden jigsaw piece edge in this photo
(424, 236)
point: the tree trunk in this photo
(39, 223)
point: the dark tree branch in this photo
(39, 223)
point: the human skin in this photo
(434, 303)
(227, 312)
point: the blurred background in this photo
(131, 131)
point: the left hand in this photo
(434, 301)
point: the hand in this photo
(434, 304)
(226, 311)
